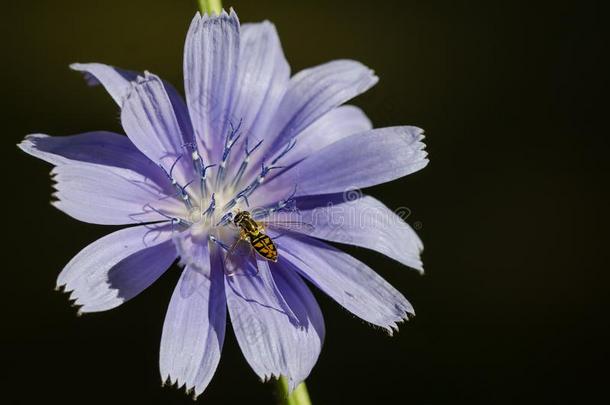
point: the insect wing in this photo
(238, 259)
(293, 226)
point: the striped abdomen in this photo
(264, 246)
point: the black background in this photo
(513, 97)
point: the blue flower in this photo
(249, 135)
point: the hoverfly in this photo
(253, 237)
(253, 232)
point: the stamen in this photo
(195, 157)
(241, 195)
(289, 146)
(246, 192)
(171, 169)
(264, 171)
(245, 198)
(173, 220)
(248, 153)
(199, 166)
(244, 164)
(230, 140)
(181, 190)
(185, 196)
(211, 207)
(226, 218)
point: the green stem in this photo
(210, 6)
(299, 396)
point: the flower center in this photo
(211, 197)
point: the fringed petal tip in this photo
(391, 326)
(232, 15)
(414, 136)
(419, 136)
(77, 302)
(117, 267)
(40, 146)
(72, 300)
(394, 327)
(28, 144)
(192, 391)
(292, 382)
(268, 377)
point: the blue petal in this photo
(118, 266)
(315, 91)
(263, 75)
(109, 196)
(348, 281)
(115, 80)
(311, 328)
(150, 121)
(211, 55)
(194, 328)
(362, 221)
(329, 128)
(118, 83)
(98, 148)
(274, 342)
(357, 161)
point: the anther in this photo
(211, 207)
(249, 152)
(170, 174)
(289, 146)
(226, 218)
(185, 196)
(173, 220)
(244, 163)
(199, 165)
(204, 170)
(244, 197)
(171, 169)
(230, 140)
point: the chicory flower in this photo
(249, 135)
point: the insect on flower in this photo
(252, 237)
(253, 233)
(245, 177)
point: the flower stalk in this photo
(299, 396)
(210, 6)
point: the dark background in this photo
(513, 97)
